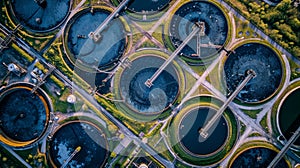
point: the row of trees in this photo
(280, 22)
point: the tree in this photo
(287, 31)
(291, 36)
(245, 24)
(255, 7)
(273, 16)
(255, 18)
(263, 25)
(296, 51)
(284, 5)
(284, 44)
(295, 23)
(274, 34)
(285, 28)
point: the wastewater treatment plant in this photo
(150, 83)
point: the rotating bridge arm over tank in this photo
(199, 43)
(41, 2)
(201, 34)
(66, 162)
(204, 131)
(96, 35)
(285, 148)
(198, 26)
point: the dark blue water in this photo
(264, 61)
(22, 115)
(103, 53)
(28, 11)
(216, 27)
(163, 92)
(147, 5)
(289, 115)
(257, 158)
(189, 132)
(93, 146)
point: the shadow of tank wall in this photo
(86, 54)
(256, 154)
(84, 140)
(43, 17)
(215, 34)
(288, 115)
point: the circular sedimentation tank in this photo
(265, 62)
(189, 132)
(149, 100)
(24, 115)
(41, 15)
(184, 132)
(256, 157)
(88, 54)
(213, 36)
(147, 6)
(288, 115)
(78, 144)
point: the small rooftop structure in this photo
(71, 99)
(14, 68)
